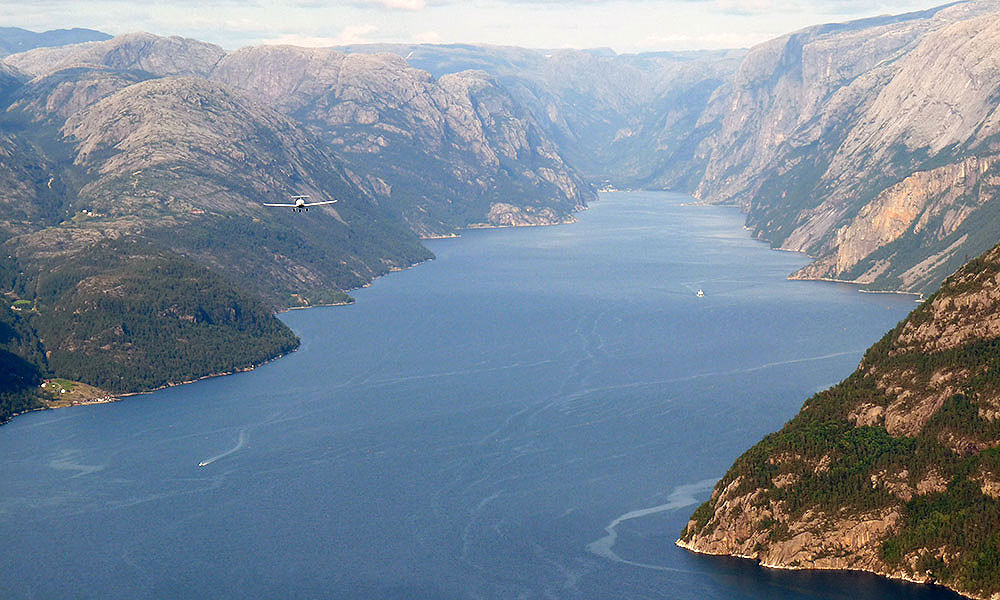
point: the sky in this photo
(623, 25)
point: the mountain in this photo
(138, 252)
(442, 153)
(628, 120)
(188, 162)
(15, 39)
(896, 470)
(156, 55)
(869, 145)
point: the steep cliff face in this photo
(797, 90)
(439, 152)
(860, 144)
(894, 470)
(917, 231)
(625, 120)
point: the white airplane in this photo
(299, 202)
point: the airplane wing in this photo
(271, 204)
(319, 203)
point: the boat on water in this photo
(204, 463)
(701, 294)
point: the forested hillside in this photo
(895, 470)
(135, 171)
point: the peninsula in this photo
(896, 470)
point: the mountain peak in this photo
(157, 55)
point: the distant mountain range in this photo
(15, 39)
(163, 150)
(870, 145)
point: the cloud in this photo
(356, 34)
(703, 41)
(747, 7)
(352, 34)
(428, 37)
(292, 39)
(413, 5)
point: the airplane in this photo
(299, 203)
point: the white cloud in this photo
(292, 39)
(747, 7)
(702, 41)
(356, 34)
(400, 4)
(428, 37)
(625, 25)
(352, 34)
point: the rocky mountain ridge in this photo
(625, 120)
(855, 143)
(165, 150)
(825, 130)
(416, 144)
(821, 135)
(14, 39)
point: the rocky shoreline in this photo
(893, 575)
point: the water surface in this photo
(533, 414)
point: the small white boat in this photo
(701, 294)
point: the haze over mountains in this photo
(132, 172)
(869, 145)
(15, 39)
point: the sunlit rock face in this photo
(869, 145)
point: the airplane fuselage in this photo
(299, 203)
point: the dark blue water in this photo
(532, 415)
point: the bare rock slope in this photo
(869, 145)
(439, 152)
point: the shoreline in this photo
(851, 282)
(108, 398)
(288, 308)
(568, 221)
(779, 567)
(209, 376)
(57, 404)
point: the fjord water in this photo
(534, 414)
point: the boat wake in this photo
(239, 444)
(684, 495)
